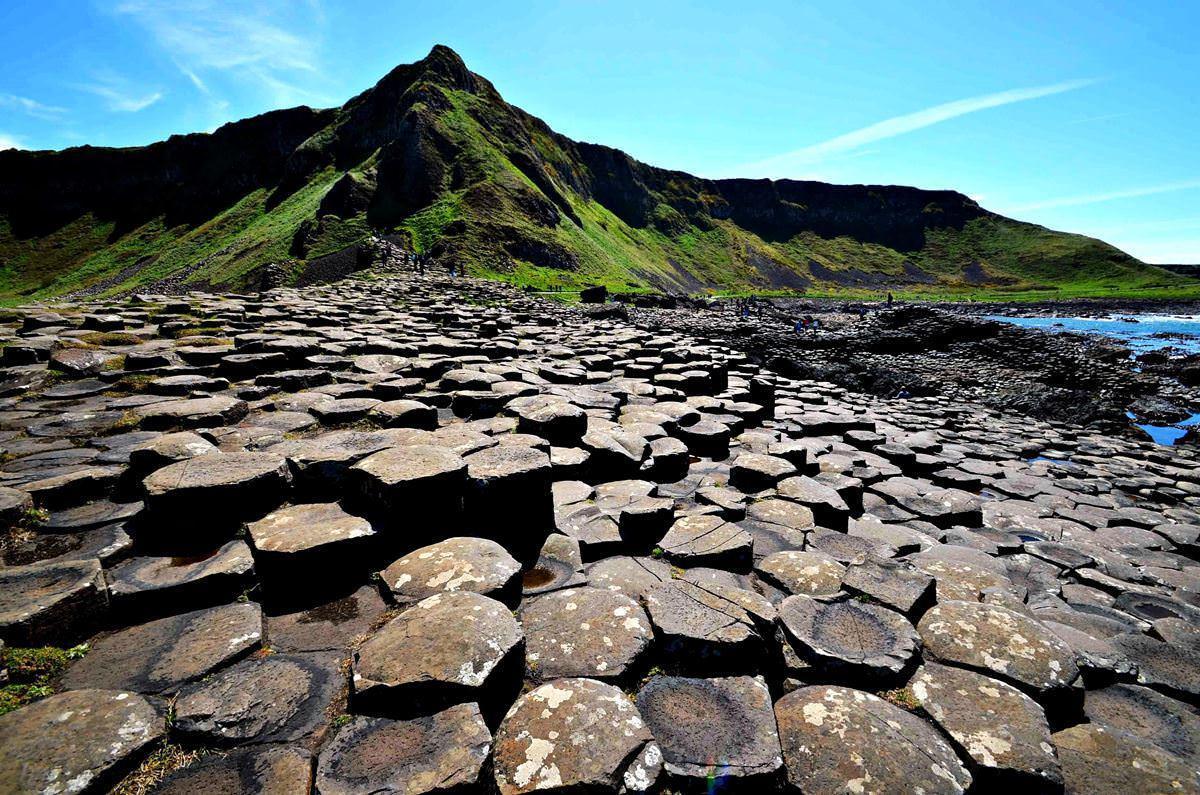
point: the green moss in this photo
(33, 673)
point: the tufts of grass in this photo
(162, 762)
(33, 673)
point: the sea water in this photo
(1175, 331)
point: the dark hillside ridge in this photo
(432, 155)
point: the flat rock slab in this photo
(46, 602)
(311, 528)
(992, 638)
(808, 573)
(754, 472)
(707, 541)
(838, 740)
(702, 626)
(589, 632)
(221, 484)
(894, 584)
(208, 412)
(332, 625)
(1171, 725)
(849, 638)
(631, 576)
(1099, 761)
(160, 656)
(446, 646)
(1002, 730)
(281, 770)
(456, 564)
(720, 728)
(443, 752)
(76, 742)
(157, 585)
(570, 735)
(277, 698)
(399, 477)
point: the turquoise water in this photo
(1138, 336)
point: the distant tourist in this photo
(903, 394)
(891, 300)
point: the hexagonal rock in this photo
(223, 485)
(160, 585)
(404, 414)
(77, 362)
(713, 728)
(439, 753)
(278, 770)
(631, 576)
(893, 583)
(583, 632)
(76, 742)
(1002, 730)
(277, 698)
(13, 505)
(444, 649)
(168, 448)
(551, 417)
(570, 735)
(176, 415)
(615, 452)
(1166, 666)
(810, 573)
(703, 628)
(849, 638)
(50, 602)
(1149, 715)
(827, 506)
(559, 565)
(162, 655)
(992, 638)
(1099, 761)
(755, 471)
(508, 496)
(838, 740)
(456, 564)
(702, 540)
(418, 481)
(306, 539)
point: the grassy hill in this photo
(433, 156)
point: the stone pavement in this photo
(410, 535)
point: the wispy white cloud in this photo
(271, 44)
(31, 107)
(119, 93)
(1107, 196)
(9, 142)
(900, 125)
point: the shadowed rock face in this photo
(848, 592)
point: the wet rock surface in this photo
(417, 534)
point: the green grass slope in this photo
(434, 157)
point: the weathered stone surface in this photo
(218, 485)
(1099, 761)
(332, 625)
(707, 541)
(278, 770)
(47, 602)
(992, 638)
(589, 632)
(277, 698)
(444, 648)
(161, 656)
(1148, 715)
(849, 638)
(703, 627)
(838, 740)
(894, 584)
(1163, 665)
(207, 412)
(631, 576)
(76, 742)
(810, 573)
(443, 752)
(570, 735)
(456, 564)
(158, 585)
(559, 565)
(295, 544)
(756, 472)
(1003, 731)
(416, 475)
(720, 728)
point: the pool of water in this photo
(1138, 336)
(1169, 434)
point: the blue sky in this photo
(1077, 115)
